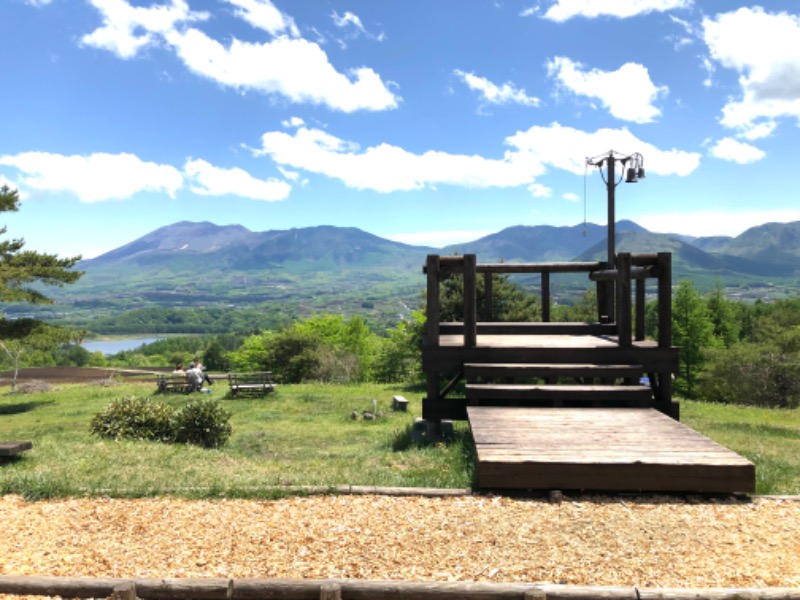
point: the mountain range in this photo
(346, 269)
(770, 249)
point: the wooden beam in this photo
(470, 301)
(432, 307)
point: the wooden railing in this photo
(623, 316)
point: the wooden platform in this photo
(601, 449)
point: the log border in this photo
(351, 589)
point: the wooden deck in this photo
(605, 449)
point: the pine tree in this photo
(22, 272)
(693, 331)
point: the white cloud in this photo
(567, 149)
(768, 64)
(290, 175)
(352, 22)
(386, 168)
(127, 29)
(569, 196)
(38, 3)
(346, 20)
(293, 122)
(735, 151)
(93, 178)
(529, 12)
(563, 10)
(294, 68)
(262, 14)
(437, 239)
(208, 180)
(759, 131)
(494, 94)
(708, 223)
(627, 93)
(538, 190)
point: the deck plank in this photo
(623, 449)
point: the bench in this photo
(256, 383)
(9, 449)
(174, 383)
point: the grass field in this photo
(303, 435)
(770, 438)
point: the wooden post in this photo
(470, 301)
(640, 308)
(330, 591)
(624, 299)
(602, 309)
(488, 296)
(664, 262)
(545, 296)
(124, 591)
(432, 302)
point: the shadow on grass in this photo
(758, 429)
(23, 407)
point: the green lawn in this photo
(770, 438)
(303, 435)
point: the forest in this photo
(731, 351)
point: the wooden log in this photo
(310, 589)
(68, 587)
(184, 589)
(565, 267)
(720, 594)
(613, 274)
(124, 591)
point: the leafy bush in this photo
(752, 374)
(134, 417)
(202, 422)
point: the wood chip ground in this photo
(657, 542)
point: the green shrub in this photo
(202, 422)
(754, 375)
(134, 417)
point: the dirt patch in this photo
(72, 374)
(655, 542)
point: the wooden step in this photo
(550, 370)
(484, 394)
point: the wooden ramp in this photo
(601, 449)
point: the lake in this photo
(108, 347)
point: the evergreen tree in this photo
(22, 272)
(510, 303)
(693, 332)
(724, 316)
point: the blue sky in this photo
(424, 122)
